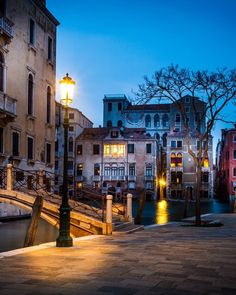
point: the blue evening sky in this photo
(107, 46)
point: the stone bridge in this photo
(85, 218)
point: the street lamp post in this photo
(64, 239)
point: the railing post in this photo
(129, 214)
(9, 177)
(40, 180)
(109, 215)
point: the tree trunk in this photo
(198, 196)
(186, 203)
(32, 228)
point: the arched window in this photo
(109, 123)
(119, 106)
(48, 104)
(1, 72)
(173, 160)
(119, 123)
(179, 160)
(165, 120)
(148, 121)
(156, 120)
(176, 160)
(30, 94)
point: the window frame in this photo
(130, 148)
(32, 31)
(33, 146)
(79, 147)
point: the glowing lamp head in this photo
(67, 86)
(162, 182)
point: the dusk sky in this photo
(108, 46)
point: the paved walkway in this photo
(164, 260)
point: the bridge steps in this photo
(123, 228)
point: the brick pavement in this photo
(163, 260)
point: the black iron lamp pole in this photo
(64, 239)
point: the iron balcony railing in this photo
(6, 27)
(7, 104)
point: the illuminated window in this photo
(79, 169)
(96, 169)
(114, 150)
(176, 160)
(206, 163)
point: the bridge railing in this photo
(3, 177)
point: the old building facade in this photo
(77, 122)
(121, 158)
(27, 84)
(226, 164)
(163, 122)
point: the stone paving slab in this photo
(171, 259)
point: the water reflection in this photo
(162, 215)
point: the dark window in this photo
(2, 7)
(164, 140)
(49, 48)
(70, 165)
(48, 153)
(187, 99)
(109, 123)
(56, 167)
(234, 154)
(1, 72)
(48, 104)
(30, 94)
(148, 121)
(71, 128)
(119, 106)
(179, 143)
(96, 169)
(227, 155)
(32, 32)
(148, 170)
(1, 140)
(15, 144)
(56, 146)
(30, 148)
(96, 149)
(71, 145)
(79, 169)
(79, 149)
(176, 177)
(130, 148)
(109, 106)
(119, 123)
(177, 119)
(234, 172)
(148, 148)
(114, 134)
(132, 169)
(173, 144)
(71, 116)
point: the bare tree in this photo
(215, 89)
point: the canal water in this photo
(12, 233)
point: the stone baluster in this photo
(129, 214)
(109, 215)
(9, 177)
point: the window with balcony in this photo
(96, 169)
(79, 169)
(50, 52)
(132, 169)
(96, 149)
(165, 120)
(1, 140)
(114, 150)
(109, 106)
(130, 148)
(148, 148)
(177, 120)
(32, 32)
(148, 121)
(15, 143)
(121, 171)
(79, 149)
(48, 153)
(107, 171)
(176, 160)
(148, 171)
(48, 104)
(156, 120)
(1, 72)
(30, 94)
(30, 148)
(176, 177)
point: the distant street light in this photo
(64, 239)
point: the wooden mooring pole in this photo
(32, 228)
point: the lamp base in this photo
(64, 241)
